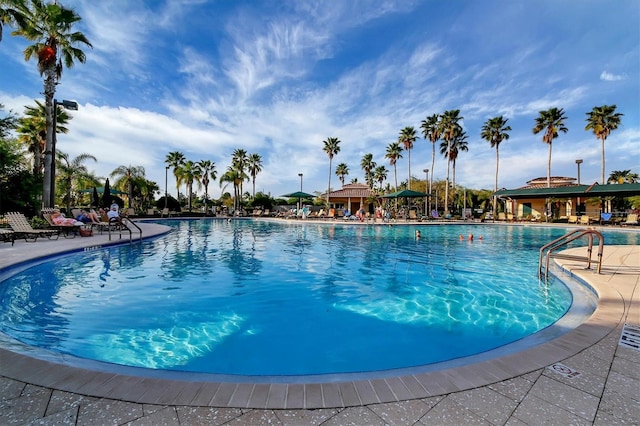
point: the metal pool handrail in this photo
(566, 239)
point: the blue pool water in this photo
(262, 298)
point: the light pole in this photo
(300, 199)
(426, 199)
(166, 181)
(70, 105)
(578, 162)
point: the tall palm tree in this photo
(368, 165)
(602, 120)
(32, 130)
(394, 152)
(331, 147)
(207, 169)
(551, 122)
(431, 130)
(450, 128)
(495, 131)
(189, 173)
(254, 165)
(50, 27)
(407, 138)
(72, 170)
(175, 160)
(380, 174)
(239, 162)
(125, 178)
(342, 170)
(458, 145)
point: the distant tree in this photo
(551, 122)
(380, 174)
(239, 162)
(175, 160)
(602, 120)
(342, 170)
(254, 164)
(431, 130)
(70, 171)
(450, 128)
(623, 176)
(208, 171)
(394, 152)
(125, 177)
(368, 166)
(407, 138)
(331, 148)
(189, 173)
(495, 130)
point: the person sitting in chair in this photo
(113, 214)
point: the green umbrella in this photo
(299, 194)
(406, 193)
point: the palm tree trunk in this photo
(602, 167)
(495, 199)
(549, 168)
(446, 189)
(409, 158)
(395, 175)
(433, 162)
(329, 185)
(49, 93)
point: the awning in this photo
(585, 191)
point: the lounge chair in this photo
(413, 215)
(7, 235)
(69, 231)
(573, 219)
(632, 219)
(502, 217)
(23, 229)
(435, 215)
(585, 220)
(605, 218)
(332, 214)
(165, 212)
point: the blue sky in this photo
(278, 77)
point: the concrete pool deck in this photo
(515, 389)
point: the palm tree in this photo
(331, 147)
(368, 165)
(602, 121)
(254, 164)
(394, 152)
(623, 176)
(189, 172)
(207, 169)
(239, 162)
(495, 131)
(450, 128)
(552, 122)
(458, 145)
(407, 138)
(234, 176)
(50, 27)
(175, 160)
(125, 177)
(380, 174)
(342, 170)
(70, 170)
(32, 129)
(431, 130)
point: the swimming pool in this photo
(339, 299)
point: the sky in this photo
(277, 78)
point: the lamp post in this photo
(300, 199)
(70, 105)
(578, 162)
(426, 199)
(166, 181)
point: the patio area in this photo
(590, 375)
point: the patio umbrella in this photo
(299, 194)
(405, 193)
(95, 199)
(100, 190)
(106, 195)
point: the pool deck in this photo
(597, 380)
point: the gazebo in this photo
(351, 196)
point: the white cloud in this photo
(607, 76)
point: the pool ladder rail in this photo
(125, 222)
(548, 250)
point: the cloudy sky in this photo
(278, 77)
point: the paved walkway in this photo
(606, 390)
